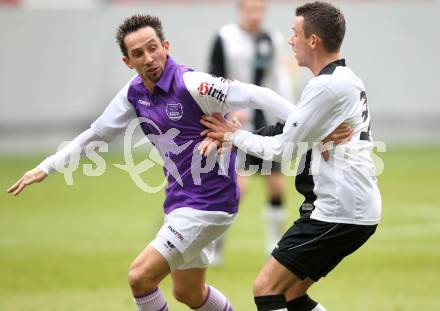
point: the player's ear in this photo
(126, 61)
(166, 45)
(314, 39)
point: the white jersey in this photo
(343, 189)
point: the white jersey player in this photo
(342, 203)
(248, 52)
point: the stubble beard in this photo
(151, 77)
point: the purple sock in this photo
(215, 301)
(152, 301)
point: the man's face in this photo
(146, 54)
(251, 14)
(301, 45)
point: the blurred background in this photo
(68, 248)
(60, 64)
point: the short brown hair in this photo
(135, 22)
(324, 20)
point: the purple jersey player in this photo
(199, 206)
(169, 99)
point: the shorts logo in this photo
(170, 245)
(174, 111)
(176, 233)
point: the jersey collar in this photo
(165, 80)
(330, 68)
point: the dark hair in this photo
(135, 22)
(324, 20)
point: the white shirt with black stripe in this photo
(343, 189)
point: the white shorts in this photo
(186, 239)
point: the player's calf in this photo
(153, 300)
(215, 301)
(192, 297)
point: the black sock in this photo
(303, 303)
(270, 302)
(276, 202)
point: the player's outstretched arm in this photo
(112, 122)
(30, 177)
(220, 129)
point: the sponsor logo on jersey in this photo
(207, 89)
(174, 111)
(176, 233)
(144, 102)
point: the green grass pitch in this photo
(69, 247)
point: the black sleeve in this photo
(270, 130)
(217, 59)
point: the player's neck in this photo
(148, 84)
(253, 31)
(320, 61)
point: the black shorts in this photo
(312, 248)
(264, 167)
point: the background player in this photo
(249, 53)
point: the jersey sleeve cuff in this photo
(46, 166)
(236, 137)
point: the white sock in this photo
(152, 301)
(274, 218)
(215, 301)
(319, 307)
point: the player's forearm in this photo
(285, 142)
(263, 147)
(242, 95)
(75, 148)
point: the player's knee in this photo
(134, 277)
(262, 287)
(140, 279)
(266, 284)
(191, 297)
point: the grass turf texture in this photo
(69, 247)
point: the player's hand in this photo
(34, 175)
(218, 128)
(208, 145)
(340, 135)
